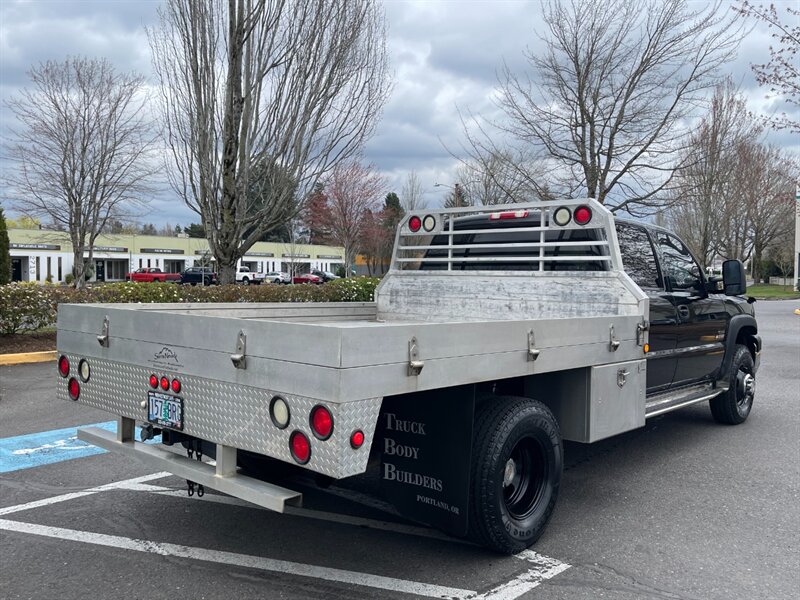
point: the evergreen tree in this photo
(195, 230)
(5, 255)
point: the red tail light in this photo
(321, 422)
(176, 386)
(164, 384)
(357, 439)
(63, 366)
(414, 223)
(153, 381)
(300, 447)
(74, 388)
(582, 215)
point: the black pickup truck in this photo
(700, 331)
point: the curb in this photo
(27, 357)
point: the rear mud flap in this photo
(425, 444)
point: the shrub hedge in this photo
(30, 306)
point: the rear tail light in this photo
(84, 371)
(321, 422)
(583, 214)
(63, 366)
(357, 439)
(414, 223)
(74, 388)
(562, 216)
(300, 447)
(164, 384)
(279, 412)
(153, 381)
(176, 386)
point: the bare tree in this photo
(411, 197)
(700, 188)
(295, 87)
(500, 177)
(353, 189)
(782, 73)
(611, 90)
(80, 149)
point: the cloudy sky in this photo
(444, 56)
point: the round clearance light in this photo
(321, 422)
(74, 388)
(429, 223)
(583, 214)
(300, 447)
(153, 381)
(414, 223)
(279, 412)
(357, 439)
(164, 384)
(84, 371)
(176, 386)
(562, 216)
(646, 348)
(63, 366)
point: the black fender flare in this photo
(733, 337)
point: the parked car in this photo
(307, 278)
(201, 275)
(149, 274)
(277, 277)
(246, 277)
(324, 275)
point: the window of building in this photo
(38, 268)
(638, 256)
(50, 268)
(60, 278)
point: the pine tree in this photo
(5, 255)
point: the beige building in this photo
(38, 255)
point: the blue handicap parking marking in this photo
(47, 447)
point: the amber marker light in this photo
(646, 348)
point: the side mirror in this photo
(734, 278)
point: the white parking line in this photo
(541, 568)
(240, 560)
(72, 495)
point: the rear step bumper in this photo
(252, 490)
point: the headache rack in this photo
(535, 237)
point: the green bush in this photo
(25, 306)
(29, 306)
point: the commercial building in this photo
(38, 255)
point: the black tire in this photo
(518, 458)
(245, 281)
(734, 406)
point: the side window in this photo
(680, 268)
(638, 258)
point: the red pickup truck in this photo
(148, 274)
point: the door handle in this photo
(683, 311)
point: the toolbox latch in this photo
(613, 342)
(533, 351)
(239, 358)
(414, 363)
(103, 339)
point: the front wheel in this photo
(518, 458)
(733, 407)
(245, 281)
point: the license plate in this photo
(165, 410)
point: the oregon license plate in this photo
(165, 410)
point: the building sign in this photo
(161, 251)
(259, 254)
(35, 247)
(202, 252)
(296, 255)
(110, 249)
(330, 256)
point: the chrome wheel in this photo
(745, 390)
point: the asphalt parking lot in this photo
(683, 508)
